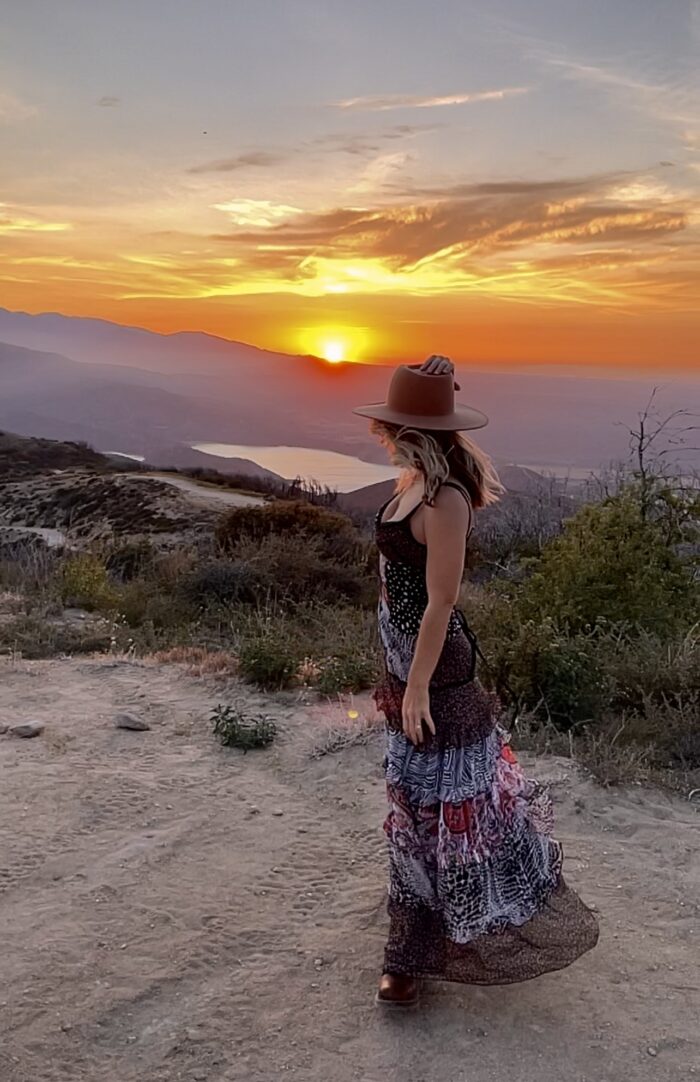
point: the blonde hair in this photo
(438, 456)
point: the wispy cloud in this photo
(365, 144)
(109, 102)
(13, 220)
(260, 159)
(674, 103)
(13, 110)
(415, 101)
(357, 144)
(590, 240)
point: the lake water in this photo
(342, 472)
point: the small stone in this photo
(129, 721)
(318, 962)
(28, 729)
(651, 1050)
(278, 812)
(3, 727)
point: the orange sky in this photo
(545, 212)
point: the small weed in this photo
(238, 730)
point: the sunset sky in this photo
(507, 182)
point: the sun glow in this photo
(333, 350)
(336, 343)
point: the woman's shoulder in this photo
(457, 494)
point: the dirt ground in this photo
(174, 910)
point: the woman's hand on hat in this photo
(437, 365)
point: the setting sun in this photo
(334, 351)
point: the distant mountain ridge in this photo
(133, 390)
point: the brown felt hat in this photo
(423, 400)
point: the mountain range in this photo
(144, 393)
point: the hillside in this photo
(20, 456)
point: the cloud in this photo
(469, 233)
(674, 104)
(13, 220)
(358, 144)
(108, 102)
(13, 110)
(366, 144)
(410, 101)
(261, 213)
(261, 159)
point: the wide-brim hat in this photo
(423, 400)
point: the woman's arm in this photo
(446, 525)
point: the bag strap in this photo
(477, 652)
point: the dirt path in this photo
(203, 495)
(172, 910)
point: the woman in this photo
(476, 892)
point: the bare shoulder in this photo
(451, 503)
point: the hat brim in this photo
(461, 419)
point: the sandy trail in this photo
(162, 921)
(202, 495)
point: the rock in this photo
(651, 1051)
(129, 721)
(28, 729)
(277, 811)
(3, 727)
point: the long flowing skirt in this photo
(476, 891)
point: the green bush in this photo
(236, 729)
(267, 656)
(615, 563)
(347, 672)
(84, 582)
(142, 602)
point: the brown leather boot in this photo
(397, 990)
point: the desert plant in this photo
(84, 581)
(267, 655)
(346, 672)
(297, 521)
(222, 581)
(235, 729)
(129, 559)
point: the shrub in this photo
(142, 601)
(267, 657)
(238, 730)
(348, 672)
(35, 637)
(297, 521)
(222, 581)
(130, 559)
(614, 563)
(84, 582)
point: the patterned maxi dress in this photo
(476, 892)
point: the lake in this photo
(342, 472)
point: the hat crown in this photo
(422, 394)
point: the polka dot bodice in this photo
(460, 706)
(402, 565)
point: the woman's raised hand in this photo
(437, 365)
